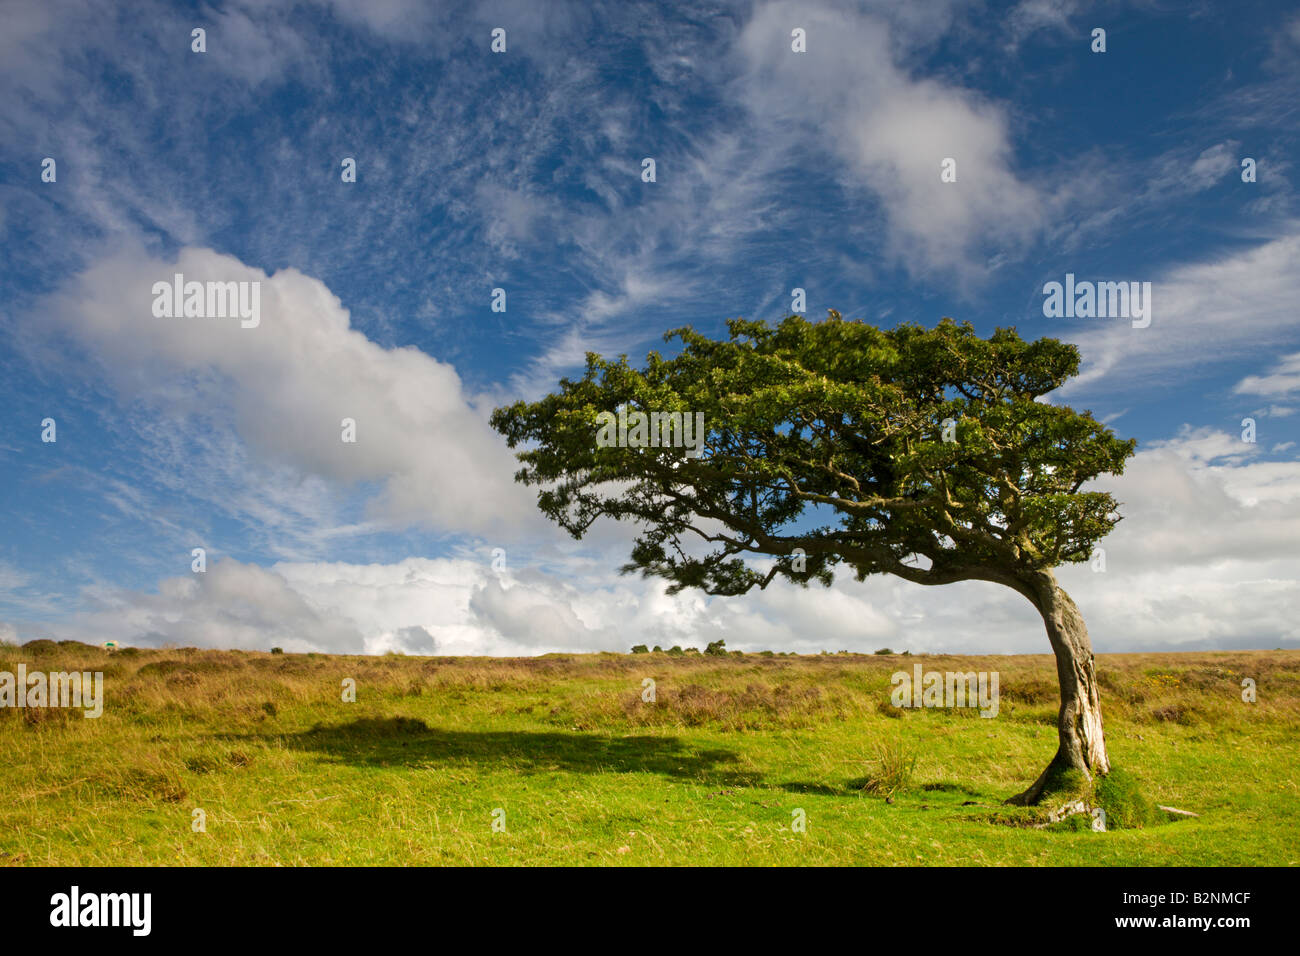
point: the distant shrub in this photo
(884, 650)
(675, 650)
(658, 649)
(692, 650)
(640, 649)
(716, 648)
(277, 650)
(767, 653)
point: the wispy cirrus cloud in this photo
(1279, 382)
(1232, 307)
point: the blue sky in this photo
(521, 170)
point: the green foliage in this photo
(829, 438)
(716, 648)
(641, 649)
(1120, 794)
(1064, 784)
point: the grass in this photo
(586, 772)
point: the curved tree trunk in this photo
(1082, 742)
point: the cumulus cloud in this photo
(231, 605)
(291, 381)
(1204, 558)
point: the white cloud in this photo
(1278, 383)
(1205, 557)
(848, 95)
(1211, 166)
(231, 605)
(1233, 307)
(290, 382)
(11, 577)
(1030, 16)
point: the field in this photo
(558, 760)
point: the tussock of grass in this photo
(1127, 807)
(890, 772)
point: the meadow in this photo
(753, 759)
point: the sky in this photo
(1166, 158)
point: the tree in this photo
(922, 453)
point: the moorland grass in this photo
(564, 753)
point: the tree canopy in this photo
(923, 453)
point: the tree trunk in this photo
(1082, 742)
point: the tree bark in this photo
(1082, 744)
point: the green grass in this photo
(586, 772)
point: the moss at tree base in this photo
(1118, 794)
(1127, 807)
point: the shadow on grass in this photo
(821, 789)
(862, 786)
(404, 741)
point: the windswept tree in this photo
(922, 453)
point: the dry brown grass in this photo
(733, 693)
